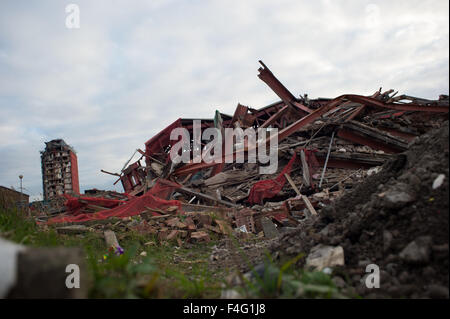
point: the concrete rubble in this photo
(322, 256)
(325, 147)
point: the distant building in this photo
(10, 198)
(59, 169)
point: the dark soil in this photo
(384, 214)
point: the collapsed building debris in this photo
(396, 219)
(325, 146)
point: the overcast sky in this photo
(133, 67)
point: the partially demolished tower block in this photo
(59, 169)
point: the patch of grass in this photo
(154, 276)
(121, 276)
(130, 275)
(285, 281)
(15, 226)
(166, 271)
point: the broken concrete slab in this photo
(269, 228)
(322, 256)
(418, 251)
(72, 229)
(111, 239)
(398, 197)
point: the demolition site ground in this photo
(358, 208)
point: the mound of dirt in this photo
(396, 219)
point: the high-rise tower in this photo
(59, 169)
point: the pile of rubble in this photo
(325, 147)
(396, 219)
(192, 227)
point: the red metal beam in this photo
(193, 167)
(306, 120)
(302, 107)
(356, 138)
(267, 76)
(275, 116)
(406, 136)
(360, 109)
(311, 117)
(395, 106)
(340, 163)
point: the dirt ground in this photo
(238, 255)
(394, 219)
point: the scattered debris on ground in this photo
(360, 180)
(396, 219)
